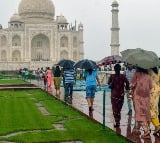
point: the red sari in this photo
(49, 79)
(141, 96)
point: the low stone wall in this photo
(103, 76)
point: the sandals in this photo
(157, 130)
(136, 131)
(116, 125)
(91, 109)
(146, 135)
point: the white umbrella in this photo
(141, 58)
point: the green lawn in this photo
(12, 81)
(19, 114)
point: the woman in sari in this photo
(154, 98)
(49, 79)
(142, 84)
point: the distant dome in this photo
(36, 9)
(61, 19)
(15, 17)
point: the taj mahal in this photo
(35, 38)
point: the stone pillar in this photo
(115, 29)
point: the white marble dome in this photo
(36, 9)
(15, 17)
(61, 19)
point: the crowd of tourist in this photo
(140, 86)
(143, 89)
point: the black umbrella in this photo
(66, 63)
(85, 64)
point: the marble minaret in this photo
(115, 29)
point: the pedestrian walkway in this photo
(127, 122)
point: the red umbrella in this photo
(100, 64)
(110, 60)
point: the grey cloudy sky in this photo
(139, 22)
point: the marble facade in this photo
(35, 39)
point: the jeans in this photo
(68, 89)
(129, 102)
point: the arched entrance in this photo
(40, 48)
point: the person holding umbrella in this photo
(91, 79)
(141, 85)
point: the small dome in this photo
(114, 3)
(15, 17)
(36, 9)
(80, 24)
(61, 19)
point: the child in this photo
(44, 77)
